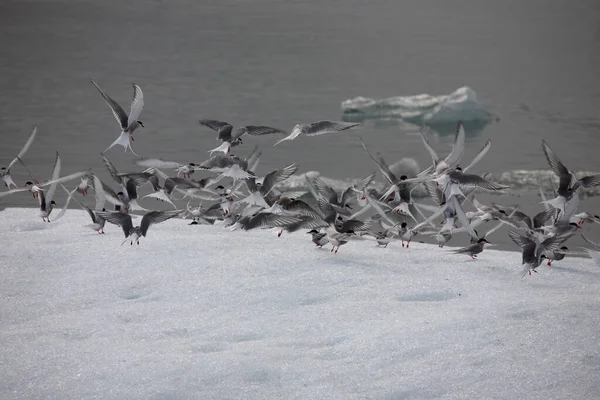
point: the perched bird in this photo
(128, 123)
(135, 232)
(474, 248)
(338, 239)
(317, 128)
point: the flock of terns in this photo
(240, 199)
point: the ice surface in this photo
(199, 312)
(460, 105)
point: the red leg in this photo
(132, 139)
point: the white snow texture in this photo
(199, 312)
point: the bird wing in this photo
(322, 127)
(218, 161)
(325, 190)
(137, 105)
(277, 176)
(112, 170)
(472, 180)
(83, 206)
(300, 207)
(558, 168)
(435, 192)
(382, 165)
(222, 128)
(588, 241)
(540, 218)
(116, 109)
(486, 147)
(434, 156)
(520, 240)
(155, 217)
(458, 148)
(589, 181)
(55, 176)
(118, 218)
(267, 220)
(24, 149)
(256, 131)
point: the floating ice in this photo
(460, 105)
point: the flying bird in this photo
(128, 123)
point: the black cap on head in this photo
(104, 209)
(313, 231)
(403, 177)
(29, 183)
(141, 124)
(120, 194)
(458, 168)
(351, 231)
(220, 187)
(192, 164)
(53, 203)
(564, 248)
(403, 225)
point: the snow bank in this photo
(460, 105)
(200, 312)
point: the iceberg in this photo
(423, 109)
(199, 312)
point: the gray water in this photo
(533, 64)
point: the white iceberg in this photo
(199, 312)
(460, 105)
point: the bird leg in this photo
(132, 139)
(403, 243)
(279, 234)
(549, 263)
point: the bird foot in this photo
(131, 243)
(402, 244)
(279, 233)
(132, 139)
(549, 263)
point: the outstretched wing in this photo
(558, 168)
(137, 105)
(155, 217)
(256, 131)
(222, 128)
(275, 177)
(24, 149)
(55, 176)
(116, 109)
(118, 218)
(322, 127)
(383, 167)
